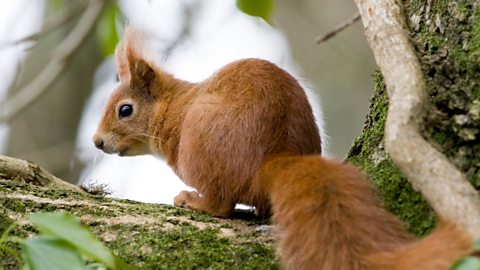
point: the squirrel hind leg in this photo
(207, 204)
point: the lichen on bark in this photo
(446, 35)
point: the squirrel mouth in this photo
(122, 152)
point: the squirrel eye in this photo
(125, 111)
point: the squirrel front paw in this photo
(184, 199)
(193, 200)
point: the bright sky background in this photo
(12, 29)
(225, 34)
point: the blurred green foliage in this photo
(56, 4)
(469, 262)
(258, 8)
(107, 31)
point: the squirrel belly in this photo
(328, 217)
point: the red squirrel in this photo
(248, 135)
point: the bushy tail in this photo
(437, 251)
(328, 217)
(327, 214)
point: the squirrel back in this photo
(329, 217)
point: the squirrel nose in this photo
(98, 143)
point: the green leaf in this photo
(51, 253)
(66, 227)
(258, 8)
(467, 263)
(107, 31)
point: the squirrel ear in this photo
(122, 63)
(135, 69)
(132, 65)
(142, 72)
(144, 76)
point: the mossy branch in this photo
(148, 236)
(441, 183)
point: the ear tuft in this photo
(135, 60)
(122, 63)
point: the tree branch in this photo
(339, 28)
(61, 57)
(442, 184)
(26, 171)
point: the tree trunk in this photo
(446, 39)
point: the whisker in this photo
(95, 159)
(152, 137)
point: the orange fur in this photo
(247, 135)
(329, 218)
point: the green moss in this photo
(368, 153)
(7, 261)
(162, 236)
(432, 44)
(474, 43)
(191, 248)
(5, 221)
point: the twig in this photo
(441, 183)
(70, 12)
(62, 54)
(339, 28)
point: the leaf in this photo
(467, 263)
(258, 8)
(66, 227)
(51, 253)
(107, 31)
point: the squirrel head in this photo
(125, 127)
